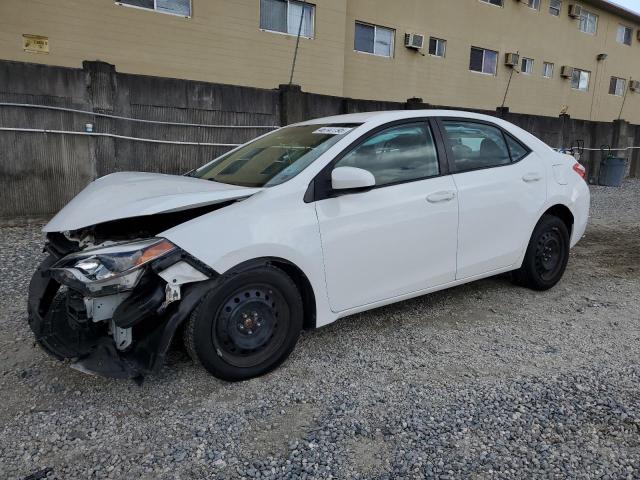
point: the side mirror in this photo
(351, 178)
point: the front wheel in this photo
(247, 325)
(547, 255)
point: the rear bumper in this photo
(88, 346)
(580, 210)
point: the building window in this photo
(547, 70)
(497, 3)
(284, 16)
(374, 39)
(437, 47)
(617, 86)
(588, 22)
(580, 80)
(555, 7)
(535, 4)
(527, 65)
(181, 8)
(483, 61)
(624, 35)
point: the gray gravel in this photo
(482, 381)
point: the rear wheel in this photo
(247, 325)
(547, 255)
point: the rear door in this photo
(501, 187)
(399, 237)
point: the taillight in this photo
(579, 169)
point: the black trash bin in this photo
(612, 171)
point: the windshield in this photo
(274, 158)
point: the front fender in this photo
(272, 224)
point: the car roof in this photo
(374, 119)
(391, 115)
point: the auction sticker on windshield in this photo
(332, 130)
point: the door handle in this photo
(532, 177)
(440, 197)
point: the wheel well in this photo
(563, 213)
(306, 291)
(298, 277)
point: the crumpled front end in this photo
(113, 308)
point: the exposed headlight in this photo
(114, 265)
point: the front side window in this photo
(527, 65)
(617, 86)
(588, 22)
(555, 7)
(374, 39)
(483, 61)
(497, 3)
(476, 145)
(173, 7)
(547, 70)
(624, 35)
(398, 154)
(288, 16)
(580, 80)
(274, 158)
(437, 47)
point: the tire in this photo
(547, 255)
(247, 325)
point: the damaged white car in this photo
(300, 227)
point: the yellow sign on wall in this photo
(35, 43)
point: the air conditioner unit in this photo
(634, 85)
(575, 11)
(566, 72)
(512, 59)
(413, 40)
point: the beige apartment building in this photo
(582, 58)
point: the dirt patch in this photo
(273, 435)
(614, 251)
(368, 455)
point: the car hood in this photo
(134, 194)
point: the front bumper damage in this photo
(121, 335)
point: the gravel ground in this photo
(481, 381)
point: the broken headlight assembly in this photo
(111, 269)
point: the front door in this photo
(398, 238)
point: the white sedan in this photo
(302, 226)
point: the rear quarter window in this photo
(516, 149)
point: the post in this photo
(635, 163)
(502, 111)
(623, 137)
(416, 103)
(101, 89)
(292, 104)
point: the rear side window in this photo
(517, 150)
(476, 145)
(398, 154)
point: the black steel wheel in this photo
(247, 325)
(550, 253)
(547, 255)
(251, 325)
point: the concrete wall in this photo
(222, 43)
(40, 173)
